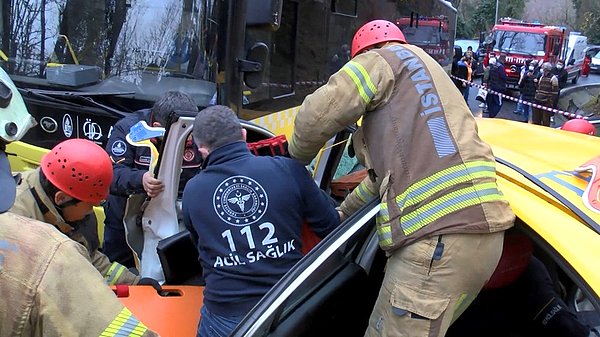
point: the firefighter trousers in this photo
(429, 284)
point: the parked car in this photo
(331, 291)
(595, 65)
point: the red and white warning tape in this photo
(564, 113)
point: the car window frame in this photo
(270, 306)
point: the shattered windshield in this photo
(141, 46)
(520, 42)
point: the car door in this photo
(329, 292)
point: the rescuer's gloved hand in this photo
(147, 281)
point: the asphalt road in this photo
(509, 106)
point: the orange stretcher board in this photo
(169, 316)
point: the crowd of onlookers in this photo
(538, 83)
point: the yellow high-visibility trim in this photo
(438, 186)
(361, 79)
(125, 324)
(114, 273)
(366, 76)
(477, 199)
(386, 242)
(363, 192)
(356, 81)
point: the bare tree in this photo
(147, 44)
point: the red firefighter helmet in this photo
(80, 168)
(374, 32)
(579, 125)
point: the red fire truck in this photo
(430, 33)
(521, 41)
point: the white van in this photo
(574, 55)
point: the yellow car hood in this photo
(537, 174)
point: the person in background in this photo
(585, 68)
(49, 287)
(245, 213)
(497, 83)
(463, 73)
(130, 164)
(545, 95)
(457, 71)
(474, 57)
(418, 140)
(527, 87)
(562, 74)
(485, 79)
(524, 69)
(468, 61)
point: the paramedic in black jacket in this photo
(246, 214)
(130, 167)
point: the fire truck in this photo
(430, 33)
(522, 41)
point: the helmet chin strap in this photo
(66, 204)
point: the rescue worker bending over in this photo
(41, 270)
(246, 214)
(131, 163)
(442, 217)
(72, 178)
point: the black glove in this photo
(147, 281)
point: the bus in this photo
(83, 64)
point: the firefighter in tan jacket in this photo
(442, 217)
(73, 178)
(42, 272)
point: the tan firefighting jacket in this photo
(419, 141)
(41, 273)
(27, 205)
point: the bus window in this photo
(279, 69)
(344, 7)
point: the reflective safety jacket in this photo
(34, 203)
(41, 273)
(419, 141)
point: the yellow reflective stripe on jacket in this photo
(114, 272)
(449, 203)
(125, 324)
(425, 188)
(363, 192)
(361, 79)
(384, 234)
(437, 208)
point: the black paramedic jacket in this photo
(131, 162)
(246, 214)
